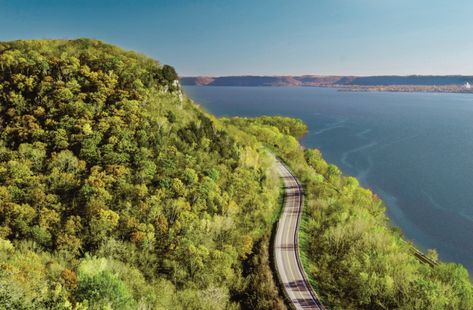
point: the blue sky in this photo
(211, 37)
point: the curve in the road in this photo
(286, 251)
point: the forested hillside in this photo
(354, 257)
(118, 192)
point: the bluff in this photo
(116, 191)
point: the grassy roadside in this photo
(278, 211)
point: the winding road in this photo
(286, 251)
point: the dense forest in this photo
(118, 192)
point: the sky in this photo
(264, 37)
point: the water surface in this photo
(415, 150)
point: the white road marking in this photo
(289, 268)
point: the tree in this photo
(103, 290)
(169, 74)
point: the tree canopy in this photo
(116, 191)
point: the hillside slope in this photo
(115, 191)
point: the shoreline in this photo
(362, 89)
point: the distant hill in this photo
(315, 80)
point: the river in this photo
(415, 150)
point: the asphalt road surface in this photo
(286, 252)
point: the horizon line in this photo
(325, 75)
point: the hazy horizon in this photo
(217, 38)
(318, 75)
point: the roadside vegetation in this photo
(355, 258)
(116, 192)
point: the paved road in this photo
(286, 251)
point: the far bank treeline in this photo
(118, 192)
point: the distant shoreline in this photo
(414, 83)
(407, 89)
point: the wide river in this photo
(415, 150)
